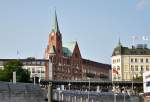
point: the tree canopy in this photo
(6, 74)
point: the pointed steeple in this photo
(55, 27)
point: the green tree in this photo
(138, 89)
(139, 79)
(22, 75)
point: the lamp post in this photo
(69, 89)
(59, 98)
(89, 91)
(132, 81)
(124, 98)
(49, 92)
(115, 97)
(69, 85)
(34, 79)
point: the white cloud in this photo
(142, 4)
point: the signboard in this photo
(146, 81)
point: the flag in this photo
(145, 38)
(115, 71)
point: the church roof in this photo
(68, 48)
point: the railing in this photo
(82, 96)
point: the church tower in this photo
(54, 46)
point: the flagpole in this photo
(18, 54)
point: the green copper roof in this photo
(55, 27)
(68, 48)
(120, 50)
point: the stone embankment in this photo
(20, 92)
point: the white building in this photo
(37, 67)
(129, 63)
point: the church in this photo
(67, 62)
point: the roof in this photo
(121, 50)
(68, 48)
(55, 27)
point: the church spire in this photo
(55, 27)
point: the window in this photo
(132, 68)
(141, 60)
(146, 60)
(142, 68)
(136, 68)
(147, 68)
(117, 60)
(131, 59)
(33, 62)
(42, 71)
(118, 67)
(38, 62)
(42, 63)
(135, 59)
(33, 70)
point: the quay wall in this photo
(20, 92)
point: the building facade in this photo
(96, 70)
(67, 62)
(36, 67)
(130, 63)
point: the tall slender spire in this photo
(55, 27)
(119, 43)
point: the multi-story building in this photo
(96, 70)
(35, 66)
(67, 62)
(130, 63)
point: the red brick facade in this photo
(67, 59)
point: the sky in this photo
(96, 25)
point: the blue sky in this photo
(95, 24)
